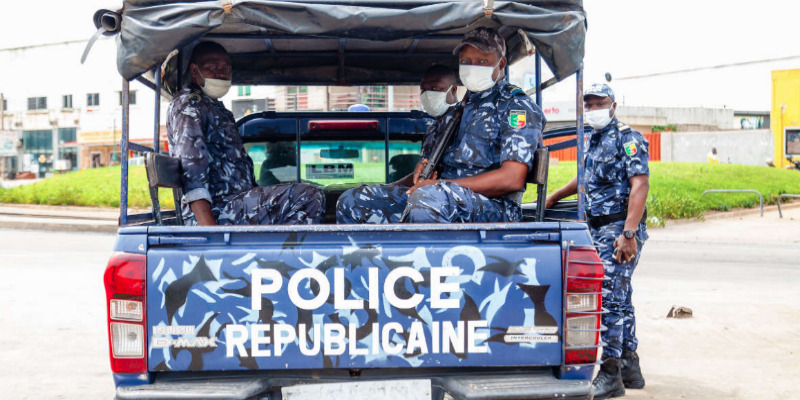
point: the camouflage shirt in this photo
(497, 126)
(202, 133)
(612, 158)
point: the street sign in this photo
(8, 143)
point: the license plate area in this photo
(413, 389)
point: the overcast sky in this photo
(625, 38)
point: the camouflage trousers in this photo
(620, 320)
(441, 202)
(283, 204)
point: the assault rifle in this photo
(447, 135)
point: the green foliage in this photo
(97, 187)
(676, 188)
(664, 128)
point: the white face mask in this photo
(435, 103)
(215, 88)
(477, 78)
(598, 119)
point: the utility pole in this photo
(2, 112)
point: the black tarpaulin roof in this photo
(353, 42)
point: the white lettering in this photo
(354, 350)
(235, 337)
(438, 287)
(376, 333)
(334, 335)
(416, 339)
(435, 337)
(452, 336)
(339, 302)
(258, 288)
(473, 335)
(388, 346)
(324, 288)
(256, 340)
(388, 287)
(374, 295)
(281, 339)
(315, 342)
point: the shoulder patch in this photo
(515, 90)
(194, 96)
(517, 118)
(630, 148)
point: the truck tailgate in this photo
(354, 297)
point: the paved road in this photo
(740, 276)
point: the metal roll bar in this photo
(796, 196)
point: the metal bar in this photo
(386, 151)
(139, 148)
(145, 82)
(581, 160)
(335, 55)
(157, 107)
(562, 145)
(538, 82)
(300, 37)
(297, 137)
(180, 70)
(542, 86)
(794, 196)
(760, 197)
(123, 146)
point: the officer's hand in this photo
(426, 182)
(549, 202)
(418, 169)
(624, 249)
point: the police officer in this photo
(617, 183)
(217, 174)
(484, 168)
(385, 203)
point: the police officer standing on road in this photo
(484, 168)
(217, 174)
(616, 190)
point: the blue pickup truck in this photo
(411, 311)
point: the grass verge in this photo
(675, 188)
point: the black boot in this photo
(608, 382)
(631, 373)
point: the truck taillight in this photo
(125, 298)
(583, 287)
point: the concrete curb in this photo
(89, 220)
(717, 215)
(46, 224)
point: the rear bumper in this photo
(510, 385)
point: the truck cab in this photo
(422, 311)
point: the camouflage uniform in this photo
(216, 167)
(612, 158)
(499, 124)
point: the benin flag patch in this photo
(517, 119)
(630, 148)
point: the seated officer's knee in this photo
(345, 206)
(429, 204)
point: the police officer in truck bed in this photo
(217, 174)
(485, 166)
(616, 190)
